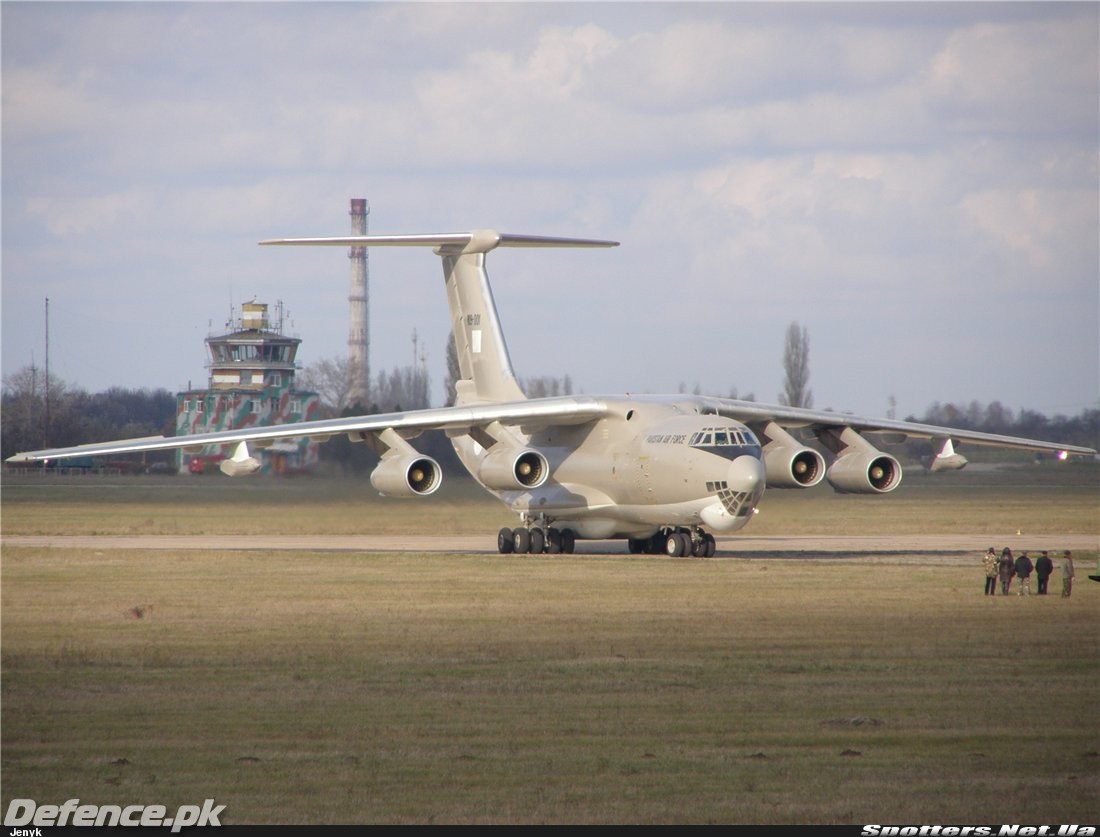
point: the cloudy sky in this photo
(916, 184)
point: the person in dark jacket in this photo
(1006, 568)
(1023, 572)
(1043, 568)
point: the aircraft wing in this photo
(531, 413)
(796, 418)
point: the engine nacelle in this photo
(790, 467)
(864, 472)
(512, 470)
(787, 462)
(407, 476)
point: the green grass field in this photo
(320, 687)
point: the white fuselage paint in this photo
(635, 471)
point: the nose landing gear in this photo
(675, 543)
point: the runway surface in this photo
(937, 548)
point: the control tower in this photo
(252, 366)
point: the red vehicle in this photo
(201, 464)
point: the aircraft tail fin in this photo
(483, 360)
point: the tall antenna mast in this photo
(46, 424)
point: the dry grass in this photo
(218, 505)
(414, 688)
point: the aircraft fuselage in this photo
(642, 468)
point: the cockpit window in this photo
(722, 437)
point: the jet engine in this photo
(512, 470)
(407, 476)
(859, 467)
(864, 472)
(788, 463)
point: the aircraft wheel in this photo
(521, 541)
(699, 547)
(553, 541)
(636, 546)
(711, 545)
(674, 546)
(568, 541)
(538, 542)
(505, 544)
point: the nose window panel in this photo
(737, 503)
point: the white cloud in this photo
(65, 217)
(870, 170)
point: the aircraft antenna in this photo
(46, 424)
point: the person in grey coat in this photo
(1067, 574)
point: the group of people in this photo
(1004, 568)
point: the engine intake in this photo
(407, 476)
(864, 472)
(511, 470)
(787, 462)
(793, 467)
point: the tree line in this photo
(39, 414)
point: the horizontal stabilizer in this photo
(477, 241)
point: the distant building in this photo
(251, 384)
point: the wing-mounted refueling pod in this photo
(508, 464)
(403, 471)
(946, 459)
(859, 467)
(787, 462)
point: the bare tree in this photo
(25, 426)
(796, 367)
(454, 374)
(331, 378)
(749, 396)
(402, 388)
(544, 386)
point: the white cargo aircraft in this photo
(664, 472)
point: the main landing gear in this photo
(675, 543)
(536, 540)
